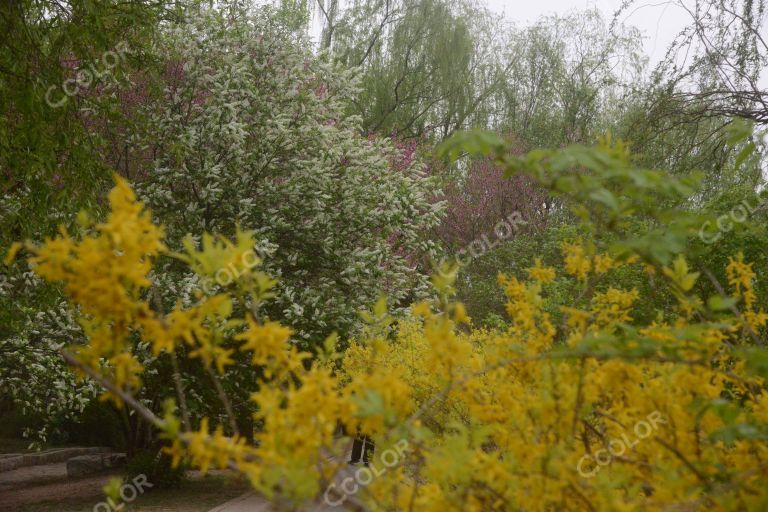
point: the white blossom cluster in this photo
(34, 375)
(254, 130)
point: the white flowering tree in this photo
(250, 128)
(33, 375)
(234, 122)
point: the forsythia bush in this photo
(587, 412)
(605, 421)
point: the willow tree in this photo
(726, 47)
(714, 71)
(569, 78)
(428, 67)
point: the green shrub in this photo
(156, 466)
(99, 425)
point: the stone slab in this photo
(10, 462)
(84, 465)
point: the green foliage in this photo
(51, 165)
(614, 195)
(627, 210)
(49, 155)
(100, 424)
(432, 67)
(265, 144)
(224, 117)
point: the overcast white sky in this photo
(659, 20)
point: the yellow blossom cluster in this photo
(741, 277)
(579, 260)
(104, 274)
(611, 420)
(594, 414)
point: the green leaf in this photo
(738, 131)
(745, 153)
(720, 303)
(474, 142)
(756, 359)
(605, 197)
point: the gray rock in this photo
(89, 464)
(11, 462)
(115, 460)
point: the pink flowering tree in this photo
(481, 197)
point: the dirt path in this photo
(62, 492)
(197, 494)
(32, 475)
